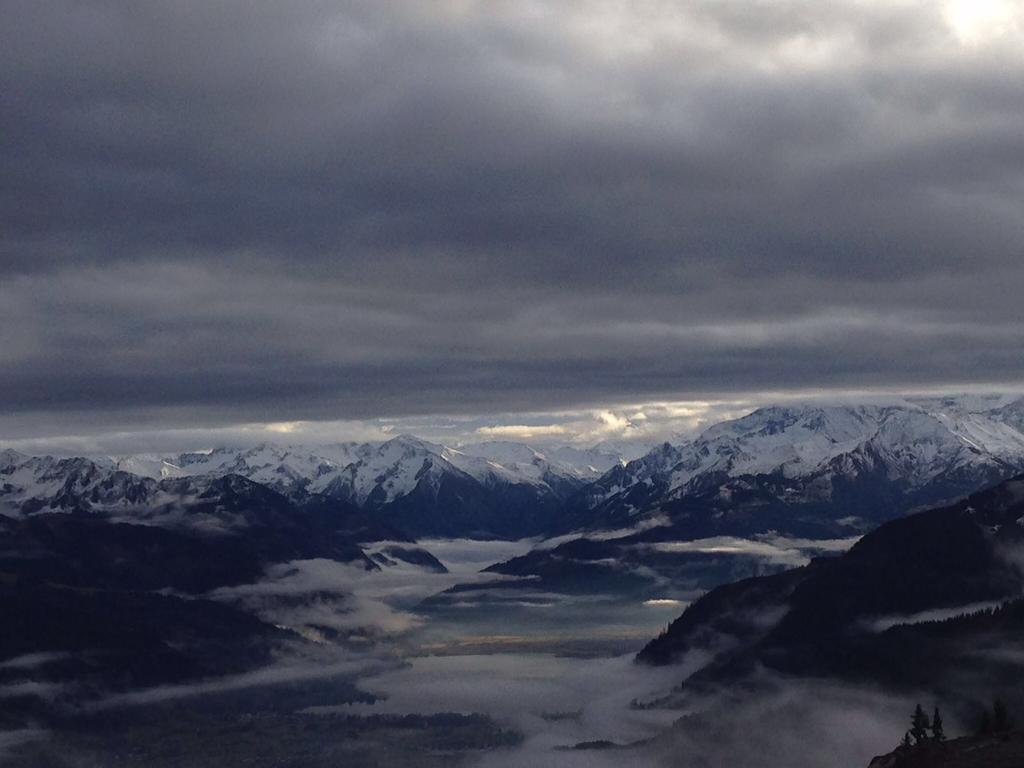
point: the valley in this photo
(276, 606)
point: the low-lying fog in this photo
(555, 670)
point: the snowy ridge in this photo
(46, 484)
(883, 458)
(381, 471)
(913, 443)
(288, 469)
(149, 465)
(566, 461)
(506, 487)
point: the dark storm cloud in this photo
(260, 210)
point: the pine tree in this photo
(938, 734)
(985, 724)
(1000, 716)
(906, 743)
(919, 725)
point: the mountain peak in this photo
(413, 442)
(10, 457)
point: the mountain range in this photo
(488, 490)
(812, 469)
(759, 494)
(809, 470)
(121, 572)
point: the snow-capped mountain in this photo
(785, 467)
(486, 489)
(561, 462)
(911, 444)
(288, 469)
(429, 489)
(358, 470)
(599, 458)
(31, 484)
(494, 488)
(148, 465)
(870, 461)
(210, 503)
(382, 473)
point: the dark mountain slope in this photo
(628, 566)
(1005, 750)
(89, 552)
(127, 639)
(457, 505)
(831, 616)
(99, 589)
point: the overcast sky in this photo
(245, 212)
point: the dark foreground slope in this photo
(105, 598)
(1005, 750)
(875, 612)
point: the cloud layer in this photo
(249, 211)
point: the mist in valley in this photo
(546, 679)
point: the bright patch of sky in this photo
(628, 428)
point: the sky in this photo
(220, 217)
